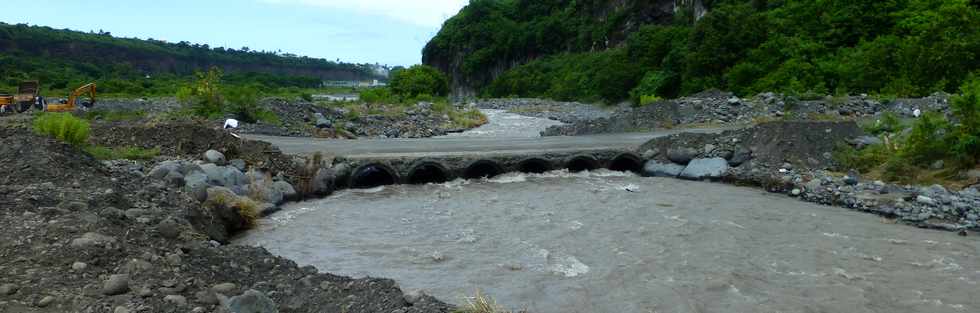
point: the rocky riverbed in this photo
(794, 158)
(300, 118)
(89, 236)
(710, 108)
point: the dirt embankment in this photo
(88, 236)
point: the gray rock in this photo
(851, 180)
(681, 155)
(213, 156)
(168, 228)
(196, 184)
(264, 191)
(205, 297)
(288, 192)
(414, 296)
(116, 285)
(74, 206)
(740, 156)
(796, 192)
(46, 301)
(700, 169)
(238, 164)
(224, 288)
(93, 239)
(8, 289)
(174, 178)
(233, 177)
(161, 170)
(187, 168)
(938, 165)
(650, 154)
(177, 300)
(925, 200)
(656, 169)
(79, 266)
(252, 302)
(121, 309)
(864, 141)
(323, 182)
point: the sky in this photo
(391, 32)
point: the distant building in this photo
(337, 97)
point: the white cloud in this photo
(428, 13)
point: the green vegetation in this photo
(75, 131)
(904, 156)
(63, 60)
(419, 80)
(207, 97)
(122, 153)
(62, 126)
(481, 303)
(894, 47)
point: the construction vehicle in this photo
(70, 104)
(26, 97)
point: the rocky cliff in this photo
(489, 37)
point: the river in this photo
(615, 242)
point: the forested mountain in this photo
(609, 50)
(64, 58)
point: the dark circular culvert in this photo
(373, 175)
(427, 173)
(534, 166)
(627, 162)
(482, 169)
(582, 163)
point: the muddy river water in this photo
(615, 242)
(611, 242)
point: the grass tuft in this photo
(62, 126)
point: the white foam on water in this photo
(567, 265)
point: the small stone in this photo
(238, 164)
(8, 289)
(168, 228)
(78, 266)
(224, 288)
(116, 285)
(121, 309)
(925, 200)
(938, 165)
(176, 300)
(850, 180)
(46, 301)
(92, 239)
(206, 297)
(796, 192)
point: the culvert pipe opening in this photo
(427, 173)
(627, 163)
(482, 169)
(373, 175)
(582, 163)
(534, 166)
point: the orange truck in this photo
(26, 97)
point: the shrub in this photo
(863, 160)
(888, 123)
(965, 135)
(926, 142)
(377, 95)
(62, 126)
(467, 119)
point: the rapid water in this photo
(508, 125)
(613, 242)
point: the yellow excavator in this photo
(70, 104)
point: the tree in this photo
(420, 80)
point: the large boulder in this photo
(740, 156)
(163, 168)
(215, 173)
(681, 155)
(700, 169)
(215, 157)
(288, 192)
(233, 177)
(655, 168)
(265, 192)
(323, 182)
